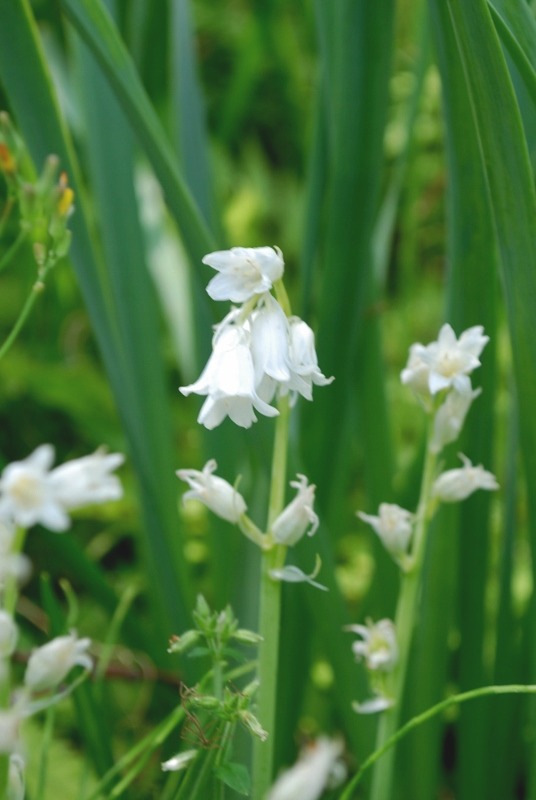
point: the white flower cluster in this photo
(258, 352)
(32, 492)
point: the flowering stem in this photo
(270, 611)
(419, 719)
(406, 615)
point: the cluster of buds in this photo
(45, 201)
(258, 352)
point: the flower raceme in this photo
(31, 492)
(258, 352)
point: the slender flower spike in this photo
(88, 480)
(313, 771)
(458, 484)
(27, 496)
(228, 380)
(49, 664)
(214, 492)
(298, 516)
(394, 526)
(445, 363)
(244, 272)
(450, 418)
(378, 645)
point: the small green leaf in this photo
(235, 776)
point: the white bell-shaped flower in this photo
(378, 646)
(298, 517)
(228, 380)
(394, 526)
(244, 272)
(27, 494)
(8, 634)
(303, 360)
(458, 484)
(51, 663)
(270, 343)
(311, 774)
(449, 360)
(88, 480)
(214, 492)
(450, 417)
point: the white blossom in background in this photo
(178, 762)
(303, 360)
(394, 526)
(450, 417)
(215, 493)
(51, 663)
(458, 484)
(88, 480)
(27, 496)
(299, 516)
(244, 272)
(228, 380)
(313, 772)
(447, 362)
(374, 705)
(378, 646)
(15, 566)
(8, 634)
(31, 492)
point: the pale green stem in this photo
(45, 748)
(270, 613)
(405, 618)
(424, 717)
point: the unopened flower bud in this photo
(298, 516)
(180, 644)
(214, 492)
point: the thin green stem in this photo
(406, 615)
(12, 251)
(270, 613)
(419, 719)
(37, 289)
(45, 749)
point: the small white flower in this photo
(450, 418)
(244, 272)
(394, 526)
(9, 730)
(457, 484)
(308, 778)
(214, 492)
(16, 784)
(88, 480)
(228, 380)
(378, 645)
(303, 360)
(27, 496)
(50, 664)
(270, 342)
(446, 362)
(374, 705)
(298, 516)
(8, 634)
(180, 761)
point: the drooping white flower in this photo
(180, 761)
(214, 492)
(308, 778)
(51, 663)
(303, 360)
(8, 634)
(298, 516)
(88, 480)
(394, 526)
(27, 495)
(16, 782)
(450, 417)
(458, 484)
(446, 362)
(228, 380)
(9, 730)
(378, 645)
(270, 345)
(244, 272)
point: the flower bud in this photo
(292, 523)
(49, 664)
(394, 526)
(215, 493)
